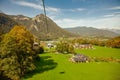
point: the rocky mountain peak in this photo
(37, 26)
(39, 18)
(19, 17)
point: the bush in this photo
(41, 50)
(110, 59)
(114, 42)
(64, 47)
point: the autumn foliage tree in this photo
(16, 53)
(114, 42)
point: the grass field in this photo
(58, 67)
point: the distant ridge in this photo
(92, 32)
(115, 30)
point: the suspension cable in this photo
(45, 16)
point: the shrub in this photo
(63, 46)
(101, 59)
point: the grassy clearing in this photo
(101, 52)
(58, 67)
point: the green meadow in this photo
(54, 66)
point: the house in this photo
(50, 45)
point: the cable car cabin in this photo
(35, 45)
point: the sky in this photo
(69, 13)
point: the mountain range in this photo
(44, 28)
(115, 30)
(92, 32)
(37, 26)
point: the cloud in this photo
(35, 6)
(28, 4)
(115, 8)
(74, 10)
(111, 22)
(67, 20)
(117, 14)
(109, 15)
(80, 9)
(52, 9)
(78, 0)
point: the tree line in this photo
(67, 45)
(113, 42)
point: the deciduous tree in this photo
(17, 55)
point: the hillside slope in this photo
(40, 29)
(6, 23)
(92, 32)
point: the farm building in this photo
(83, 46)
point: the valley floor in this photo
(58, 67)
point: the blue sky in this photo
(69, 13)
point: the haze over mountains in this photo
(92, 32)
(115, 30)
